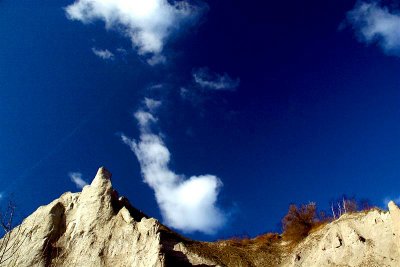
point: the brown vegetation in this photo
(298, 222)
(265, 250)
(260, 240)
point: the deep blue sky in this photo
(316, 114)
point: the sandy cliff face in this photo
(93, 228)
(97, 228)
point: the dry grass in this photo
(319, 225)
(269, 249)
(261, 240)
(263, 250)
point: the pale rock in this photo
(395, 215)
(91, 228)
(355, 239)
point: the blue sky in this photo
(213, 116)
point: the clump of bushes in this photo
(299, 221)
(340, 207)
(349, 205)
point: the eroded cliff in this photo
(96, 227)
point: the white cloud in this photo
(144, 119)
(187, 204)
(76, 178)
(148, 23)
(151, 104)
(374, 23)
(103, 53)
(156, 60)
(214, 81)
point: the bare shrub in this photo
(12, 238)
(298, 222)
(344, 205)
(365, 205)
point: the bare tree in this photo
(342, 206)
(11, 240)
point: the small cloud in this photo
(156, 60)
(214, 81)
(156, 86)
(147, 23)
(151, 104)
(144, 118)
(374, 23)
(122, 51)
(184, 93)
(192, 95)
(76, 178)
(103, 53)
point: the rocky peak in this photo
(102, 180)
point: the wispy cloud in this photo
(103, 53)
(374, 23)
(122, 51)
(214, 81)
(148, 23)
(151, 104)
(76, 178)
(187, 204)
(156, 60)
(156, 86)
(192, 95)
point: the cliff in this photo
(97, 228)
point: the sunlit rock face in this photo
(92, 228)
(356, 239)
(96, 227)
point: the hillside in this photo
(96, 227)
